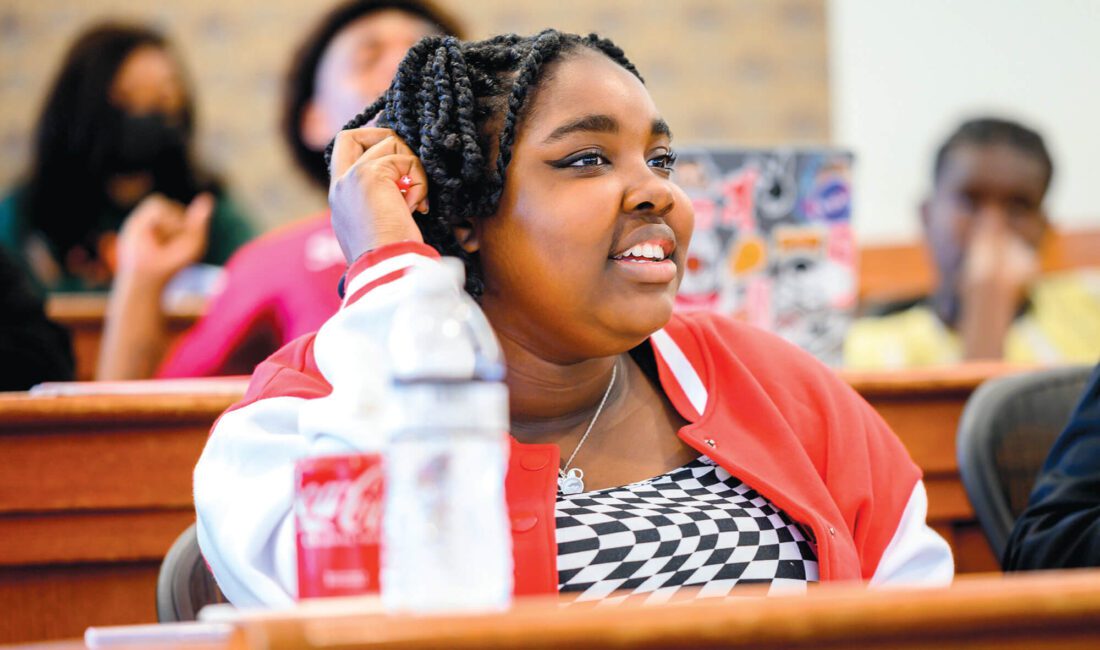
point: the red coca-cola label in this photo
(338, 519)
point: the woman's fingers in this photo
(412, 181)
(155, 216)
(364, 146)
(389, 146)
(377, 182)
(350, 145)
(198, 213)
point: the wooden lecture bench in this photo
(886, 273)
(97, 487)
(82, 314)
(94, 490)
(1013, 612)
(889, 272)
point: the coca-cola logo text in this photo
(341, 511)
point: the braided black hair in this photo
(456, 104)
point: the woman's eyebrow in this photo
(660, 127)
(595, 123)
(590, 123)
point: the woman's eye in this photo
(590, 159)
(664, 162)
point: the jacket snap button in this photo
(524, 523)
(710, 443)
(832, 531)
(534, 462)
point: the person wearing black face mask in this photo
(153, 143)
(282, 285)
(113, 141)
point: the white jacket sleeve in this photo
(917, 555)
(298, 404)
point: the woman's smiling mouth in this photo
(648, 262)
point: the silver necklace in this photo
(571, 481)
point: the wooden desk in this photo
(890, 272)
(923, 408)
(94, 490)
(97, 488)
(82, 314)
(1054, 610)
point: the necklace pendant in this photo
(571, 482)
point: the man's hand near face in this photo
(999, 269)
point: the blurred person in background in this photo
(33, 348)
(284, 284)
(984, 224)
(114, 138)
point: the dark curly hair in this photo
(993, 130)
(457, 104)
(301, 80)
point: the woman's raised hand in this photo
(161, 237)
(377, 182)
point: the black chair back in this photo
(1005, 433)
(185, 584)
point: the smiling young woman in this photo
(713, 454)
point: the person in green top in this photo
(114, 135)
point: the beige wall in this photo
(748, 71)
(897, 93)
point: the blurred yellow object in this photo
(914, 337)
(750, 256)
(1062, 325)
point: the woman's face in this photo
(148, 81)
(584, 257)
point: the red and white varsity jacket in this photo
(761, 408)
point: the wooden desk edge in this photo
(830, 616)
(20, 409)
(89, 308)
(1057, 606)
(959, 378)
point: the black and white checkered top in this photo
(695, 526)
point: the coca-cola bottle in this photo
(339, 490)
(338, 515)
(446, 542)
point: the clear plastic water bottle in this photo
(446, 540)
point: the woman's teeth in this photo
(643, 251)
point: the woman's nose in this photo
(649, 193)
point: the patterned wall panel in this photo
(722, 71)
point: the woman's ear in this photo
(468, 236)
